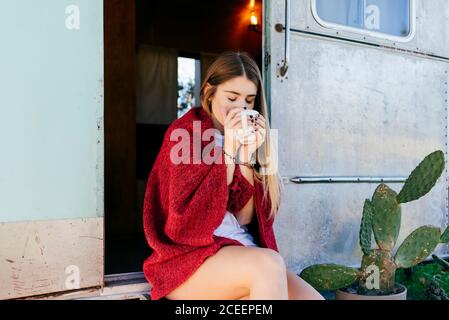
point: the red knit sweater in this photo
(185, 203)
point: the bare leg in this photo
(298, 289)
(236, 272)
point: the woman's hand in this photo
(246, 150)
(231, 126)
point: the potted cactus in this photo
(375, 279)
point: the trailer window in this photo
(385, 17)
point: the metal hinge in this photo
(267, 59)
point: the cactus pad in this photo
(366, 228)
(417, 246)
(329, 276)
(386, 217)
(422, 178)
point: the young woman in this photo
(210, 223)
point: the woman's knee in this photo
(299, 289)
(269, 262)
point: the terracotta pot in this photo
(401, 295)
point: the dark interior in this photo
(193, 29)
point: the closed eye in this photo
(236, 99)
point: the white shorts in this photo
(230, 228)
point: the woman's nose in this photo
(242, 105)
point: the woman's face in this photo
(238, 92)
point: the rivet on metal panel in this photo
(279, 27)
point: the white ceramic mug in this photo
(247, 134)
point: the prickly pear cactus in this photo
(329, 276)
(422, 178)
(386, 217)
(417, 246)
(382, 217)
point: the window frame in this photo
(366, 32)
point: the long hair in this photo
(229, 65)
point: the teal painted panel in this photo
(51, 109)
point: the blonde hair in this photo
(229, 65)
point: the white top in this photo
(230, 227)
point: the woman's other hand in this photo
(246, 150)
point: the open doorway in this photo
(156, 55)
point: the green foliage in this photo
(443, 263)
(418, 280)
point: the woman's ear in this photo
(207, 87)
